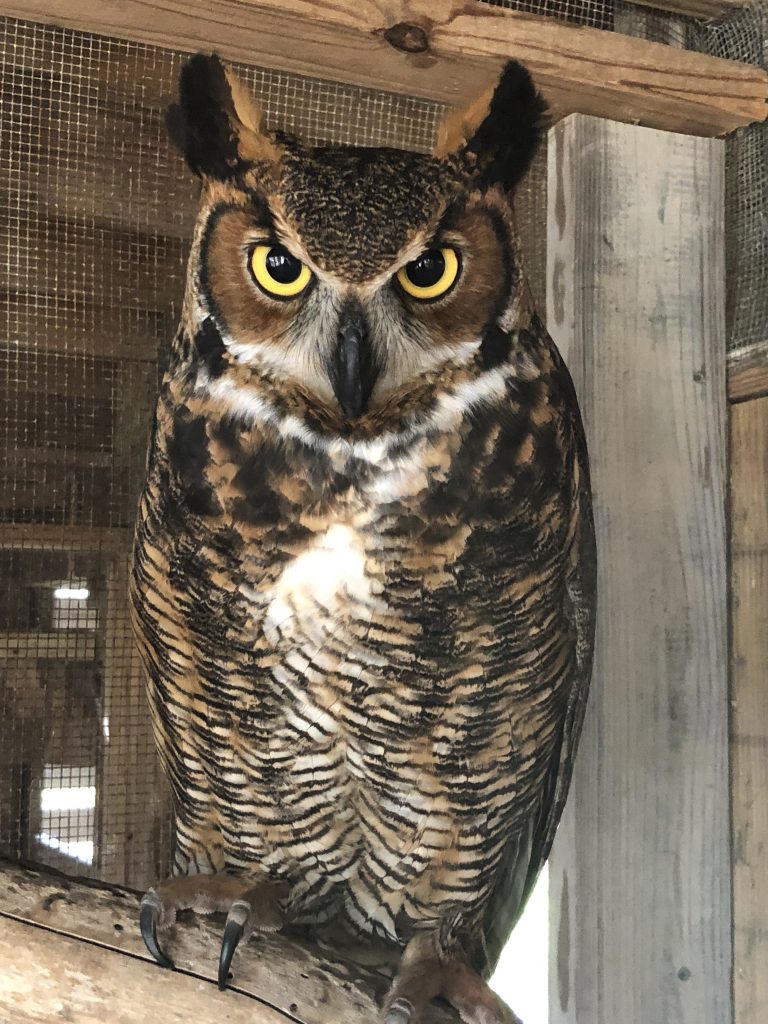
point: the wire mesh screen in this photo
(741, 36)
(597, 13)
(99, 210)
(744, 37)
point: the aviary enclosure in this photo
(646, 241)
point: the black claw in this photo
(237, 919)
(150, 910)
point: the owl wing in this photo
(526, 852)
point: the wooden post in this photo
(641, 872)
(749, 704)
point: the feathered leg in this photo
(427, 971)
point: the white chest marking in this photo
(331, 574)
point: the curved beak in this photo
(353, 372)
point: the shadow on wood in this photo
(70, 950)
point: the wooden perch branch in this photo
(71, 950)
(448, 51)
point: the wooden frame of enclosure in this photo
(658, 890)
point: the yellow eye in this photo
(277, 272)
(431, 274)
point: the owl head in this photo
(348, 284)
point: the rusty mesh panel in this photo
(92, 254)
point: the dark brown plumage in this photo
(364, 570)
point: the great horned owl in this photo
(363, 582)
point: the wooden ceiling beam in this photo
(446, 52)
(697, 8)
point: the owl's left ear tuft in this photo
(497, 136)
(216, 124)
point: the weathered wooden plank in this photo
(44, 321)
(79, 258)
(697, 8)
(67, 645)
(134, 75)
(48, 977)
(448, 52)
(749, 705)
(292, 977)
(82, 458)
(748, 372)
(641, 872)
(44, 537)
(35, 373)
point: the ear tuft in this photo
(216, 124)
(497, 136)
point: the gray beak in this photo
(352, 371)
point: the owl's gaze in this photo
(277, 272)
(364, 563)
(432, 274)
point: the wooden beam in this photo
(748, 372)
(640, 876)
(446, 52)
(275, 978)
(749, 705)
(697, 8)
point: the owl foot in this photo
(248, 906)
(426, 972)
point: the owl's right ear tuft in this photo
(216, 124)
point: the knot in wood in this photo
(408, 38)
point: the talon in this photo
(150, 912)
(400, 1012)
(237, 919)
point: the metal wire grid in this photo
(595, 13)
(655, 26)
(744, 37)
(741, 36)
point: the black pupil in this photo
(427, 269)
(283, 267)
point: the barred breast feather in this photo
(368, 655)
